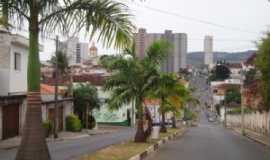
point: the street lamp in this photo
(242, 104)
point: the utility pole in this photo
(242, 106)
(56, 111)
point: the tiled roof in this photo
(46, 89)
(151, 102)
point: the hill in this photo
(197, 58)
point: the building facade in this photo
(208, 51)
(13, 87)
(76, 51)
(176, 59)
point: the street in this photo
(72, 149)
(211, 142)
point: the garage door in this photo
(10, 121)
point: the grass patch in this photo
(125, 150)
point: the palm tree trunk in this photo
(163, 128)
(33, 145)
(140, 136)
(174, 120)
(86, 115)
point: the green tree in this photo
(263, 65)
(133, 78)
(107, 18)
(85, 100)
(219, 73)
(232, 95)
(166, 85)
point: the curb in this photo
(252, 138)
(153, 148)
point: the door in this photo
(10, 121)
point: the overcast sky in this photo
(234, 24)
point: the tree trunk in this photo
(140, 136)
(86, 116)
(173, 121)
(163, 128)
(33, 145)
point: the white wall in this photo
(4, 81)
(257, 122)
(104, 114)
(18, 78)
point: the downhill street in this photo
(211, 142)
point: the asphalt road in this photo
(211, 142)
(71, 149)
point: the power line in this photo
(195, 19)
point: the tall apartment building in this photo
(176, 58)
(208, 51)
(76, 51)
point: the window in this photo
(17, 61)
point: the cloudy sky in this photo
(234, 24)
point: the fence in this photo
(257, 122)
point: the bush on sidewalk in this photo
(73, 123)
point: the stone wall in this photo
(257, 122)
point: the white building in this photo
(176, 59)
(77, 52)
(208, 51)
(13, 87)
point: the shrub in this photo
(73, 123)
(48, 127)
(238, 111)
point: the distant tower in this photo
(208, 51)
(93, 51)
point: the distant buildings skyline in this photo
(176, 59)
(208, 50)
(78, 52)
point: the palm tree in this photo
(133, 78)
(167, 86)
(107, 18)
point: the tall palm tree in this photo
(133, 78)
(107, 18)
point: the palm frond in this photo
(107, 19)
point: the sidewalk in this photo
(263, 139)
(15, 141)
(102, 129)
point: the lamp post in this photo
(242, 105)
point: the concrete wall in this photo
(22, 115)
(257, 122)
(68, 110)
(105, 115)
(18, 78)
(5, 40)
